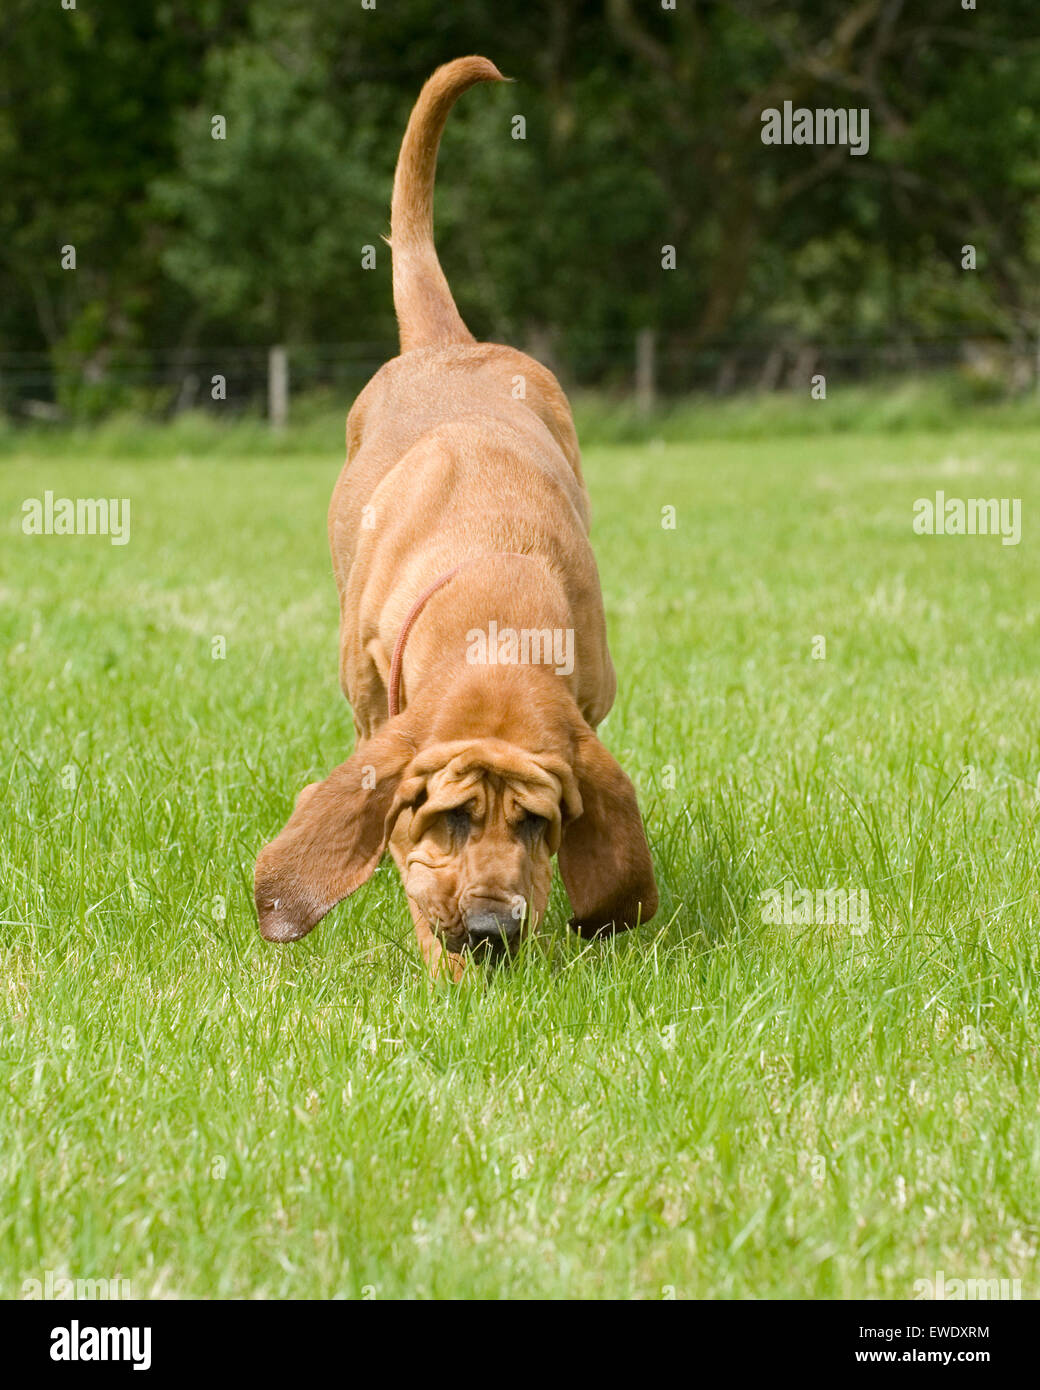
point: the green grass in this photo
(711, 1106)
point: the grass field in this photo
(713, 1106)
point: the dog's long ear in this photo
(336, 835)
(604, 857)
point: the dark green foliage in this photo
(643, 129)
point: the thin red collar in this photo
(393, 690)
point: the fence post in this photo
(646, 381)
(278, 388)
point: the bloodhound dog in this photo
(473, 646)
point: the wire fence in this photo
(647, 366)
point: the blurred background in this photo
(197, 256)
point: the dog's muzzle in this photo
(490, 932)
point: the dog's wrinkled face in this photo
(473, 822)
(475, 851)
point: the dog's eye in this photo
(533, 824)
(458, 822)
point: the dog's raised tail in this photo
(426, 312)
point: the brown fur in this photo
(445, 464)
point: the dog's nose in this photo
(491, 929)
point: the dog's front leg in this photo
(440, 962)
